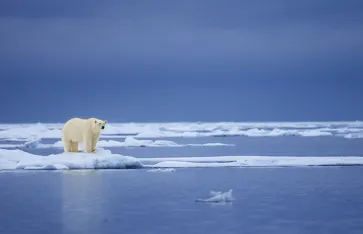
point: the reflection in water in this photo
(82, 201)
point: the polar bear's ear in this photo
(95, 121)
(105, 121)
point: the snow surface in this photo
(219, 197)
(104, 159)
(31, 131)
(352, 129)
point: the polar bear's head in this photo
(98, 125)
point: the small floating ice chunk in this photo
(162, 170)
(219, 197)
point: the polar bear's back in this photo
(75, 128)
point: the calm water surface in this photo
(268, 200)
(265, 146)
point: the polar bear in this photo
(85, 130)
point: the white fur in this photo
(85, 130)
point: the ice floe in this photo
(162, 170)
(102, 159)
(217, 196)
(353, 129)
(11, 159)
(129, 142)
(251, 161)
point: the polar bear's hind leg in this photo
(67, 146)
(74, 146)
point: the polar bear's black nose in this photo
(103, 127)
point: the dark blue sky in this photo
(192, 60)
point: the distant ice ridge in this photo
(353, 129)
(102, 159)
(219, 197)
(29, 131)
(129, 142)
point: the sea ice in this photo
(129, 142)
(102, 159)
(219, 197)
(222, 129)
(162, 170)
(250, 161)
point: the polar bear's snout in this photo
(103, 127)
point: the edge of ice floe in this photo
(102, 159)
(251, 161)
(105, 159)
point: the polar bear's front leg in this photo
(87, 142)
(94, 142)
(74, 146)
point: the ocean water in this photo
(269, 199)
(272, 146)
